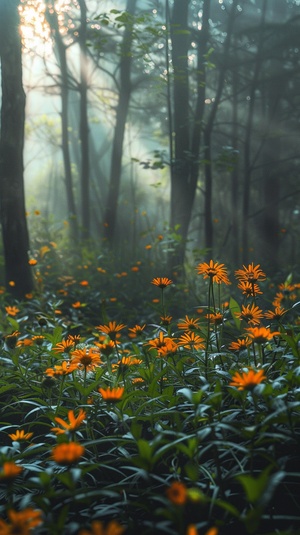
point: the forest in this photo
(149, 267)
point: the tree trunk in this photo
(110, 216)
(84, 128)
(18, 276)
(52, 18)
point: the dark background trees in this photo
(188, 111)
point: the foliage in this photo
(123, 419)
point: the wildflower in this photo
(101, 270)
(106, 348)
(136, 331)
(163, 344)
(214, 271)
(67, 453)
(12, 283)
(275, 314)
(137, 380)
(112, 394)
(148, 247)
(191, 340)
(166, 320)
(87, 357)
(74, 422)
(84, 283)
(20, 435)
(249, 289)
(99, 528)
(20, 522)
(177, 493)
(77, 304)
(240, 344)
(32, 262)
(65, 368)
(11, 339)
(10, 470)
(135, 269)
(111, 329)
(261, 335)
(188, 324)
(64, 347)
(162, 282)
(191, 530)
(12, 311)
(250, 274)
(247, 380)
(215, 317)
(25, 342)
(38, 339)
(251, 314)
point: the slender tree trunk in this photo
(248, 136)
(52, 17)
(110, 216)
(235, 171)
(18, 277)
(208, 225)
(84, 128)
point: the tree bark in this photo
(18, 276)
(110, 216)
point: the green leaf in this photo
(235, 307)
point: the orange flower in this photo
(191, 340)
(111, 329)
(63, 369)
(20, 435)
(11, 339)
(136, 331)
(67, 453)
(247, 380)
(261, 335)
(250, 274)
(106, 348)
(77, 304)
(10, 470)
(251, 314)
(214, 271)
(177, 493)
(12, 311)
(249, 289)
(162, 282)
(20, 522)
(215, 317)
(189, 324)
(25, 342)
(84, 283)
(112, 394)
(38, 339)
(191, 530)
(276, 314)
(74, 422)
(163, 344)
(166, 320)
(32, 262)
(240, 344)
(88, 357)
(99, 528)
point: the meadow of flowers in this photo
(118, 417)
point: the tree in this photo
(18, 277)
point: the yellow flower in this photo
(99, 528)
(67, 453)
(247, 380)
(20, 435)
(214, 271)
(177, 493)
(161, 282)
(20, 522)
(74, 422)
(10, 470)
(63, 369)
(112, 394)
